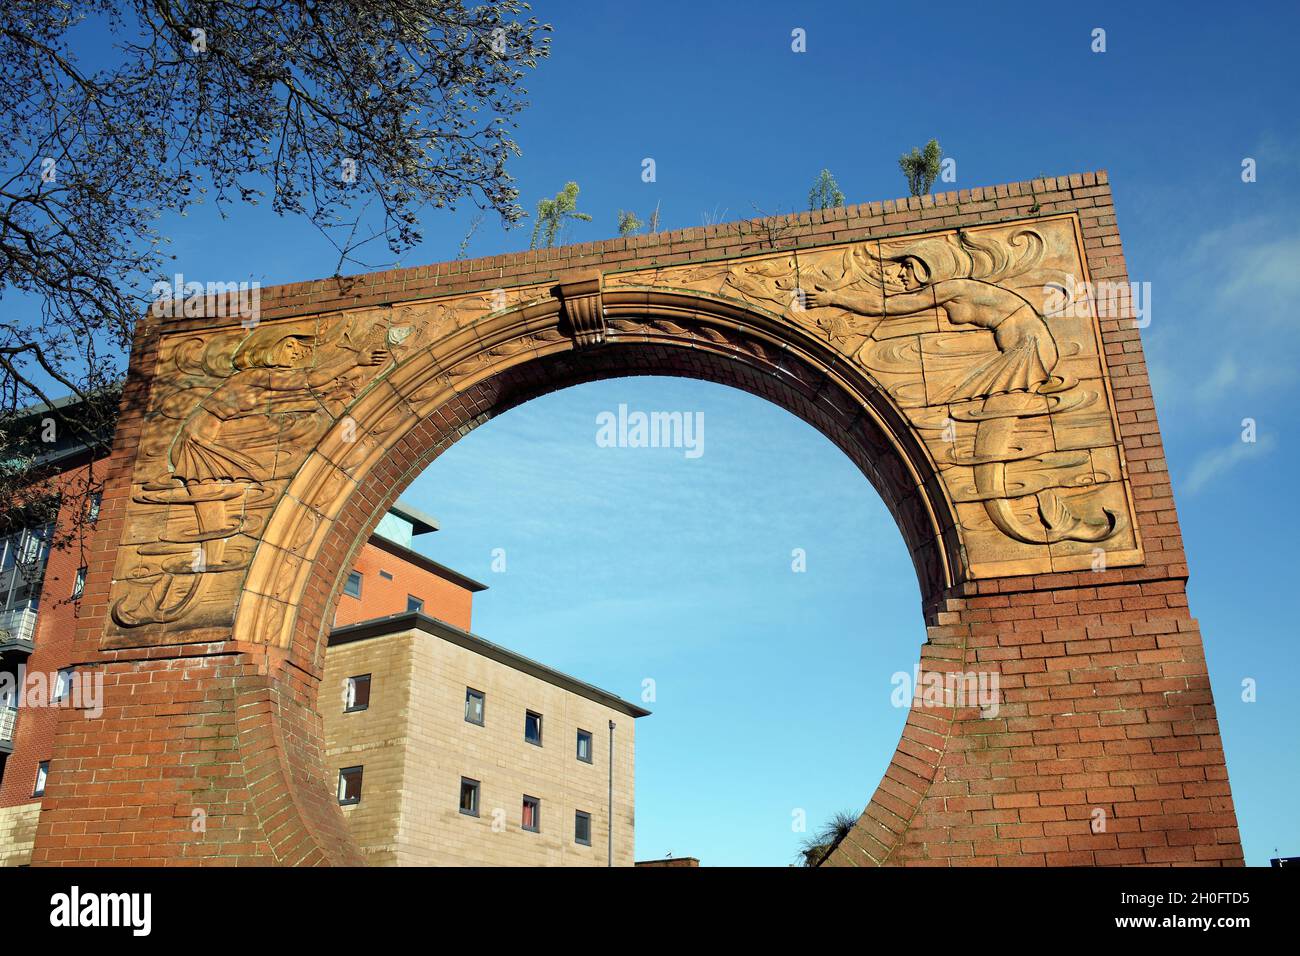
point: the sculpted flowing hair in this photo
(972, 257)
(263, 350)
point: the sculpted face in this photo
(295, 352)
(906, 275)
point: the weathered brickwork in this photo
(1104, 749)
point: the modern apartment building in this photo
(39, 590)
(447, 749)
(391, 578)
(451, 750)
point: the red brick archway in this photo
(1026, 476)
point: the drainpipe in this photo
(611, 794)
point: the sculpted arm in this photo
(345, 362)
(872, 304)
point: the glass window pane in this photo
(474, 702)
(469, 796)
(350, 785)
(358, 692)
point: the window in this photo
(353, 587)
(533, 728)
(386, 575)
(414, 604)
(582, 828)
(79, 585)
(93, 506)
(42, 771)
(532, 814)
(350, 786)
(23, 555)
(584, 746)
(63, 684)
(475, 703)
(358, 694)
(469, 796)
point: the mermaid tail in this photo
(1059, 523)
(993, 448)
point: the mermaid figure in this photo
(271, 396)
(274, 373)
(1016, 382)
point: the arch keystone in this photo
(583, 310)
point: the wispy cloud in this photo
(1226, 327)
(1212, 465)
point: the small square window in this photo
(358, 694)
(475, 705)
(350, 786)
(533, 728)
(584, 746)
(532, 814)
(582, 828)
(42, 772)
(63, 684)
(414, 604)
(79, 583)
(353, 586)
(469, 796)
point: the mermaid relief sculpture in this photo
(960, 278)
(270, 395)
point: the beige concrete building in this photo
(17, 833)
(451, 750)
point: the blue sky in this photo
(772, 688)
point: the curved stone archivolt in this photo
(946, 364)
(646, 332)
(988, 431)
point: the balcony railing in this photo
(8, 717)
(18, 626)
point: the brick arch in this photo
(392, 434)
(849, 409)
(1002, 477)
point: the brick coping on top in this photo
(1035, 197)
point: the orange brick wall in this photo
(443, 599)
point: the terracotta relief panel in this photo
(974, 337)
(256, 436)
